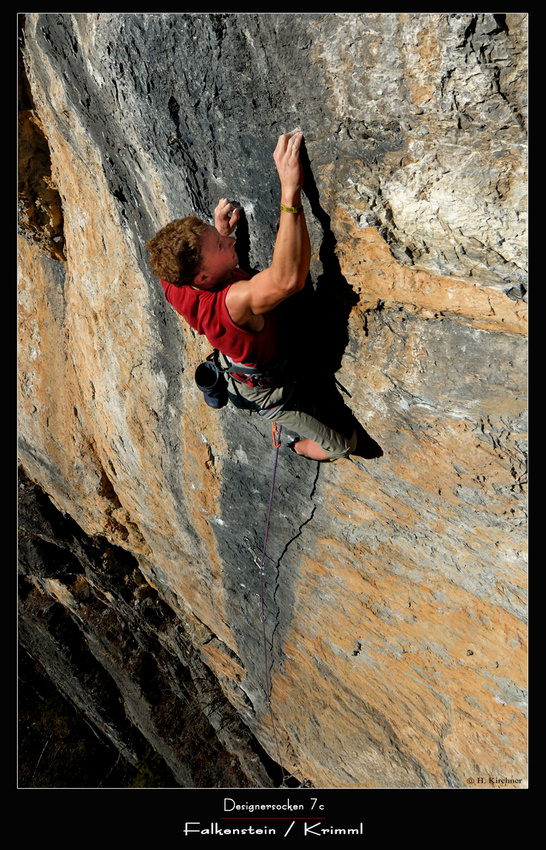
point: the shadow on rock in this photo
(316, 330)
(243, 244)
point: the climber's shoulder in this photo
(257, 294)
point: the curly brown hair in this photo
(175, 251)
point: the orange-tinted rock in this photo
(395, 585)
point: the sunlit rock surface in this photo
(395, 587)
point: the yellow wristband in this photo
(291, 209)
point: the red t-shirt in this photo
(206, 312)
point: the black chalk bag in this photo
(212, 383)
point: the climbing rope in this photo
(277, 431)
(276, 445)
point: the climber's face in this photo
(219, 259)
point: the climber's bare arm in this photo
(291, 256)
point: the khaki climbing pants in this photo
(282, 405)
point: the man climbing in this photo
(198, 268)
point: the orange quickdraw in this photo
(276, 436)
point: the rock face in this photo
(394, 582)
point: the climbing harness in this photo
(210, 377)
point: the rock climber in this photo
(197, 264)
